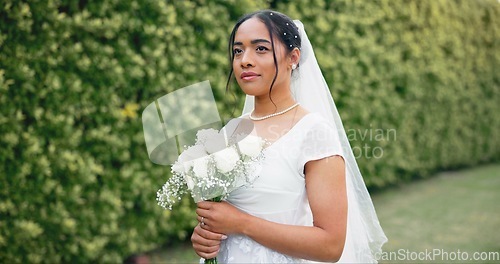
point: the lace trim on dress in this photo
(255, 251)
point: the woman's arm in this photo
(326, 190)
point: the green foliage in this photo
(422, 75)
(76, 184)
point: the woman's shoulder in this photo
(317, 128)
(316, 121)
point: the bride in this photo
(310, 202)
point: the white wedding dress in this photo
(279, 193)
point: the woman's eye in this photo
(262, 48)
(237, 51)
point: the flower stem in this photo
(216, 199)
(211, 261)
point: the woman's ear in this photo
(295, 56)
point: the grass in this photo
(452, 211)
(179, 253)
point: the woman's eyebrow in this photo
(254, 41)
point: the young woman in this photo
(309, 201)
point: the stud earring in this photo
(294, 66)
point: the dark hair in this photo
(278, 25)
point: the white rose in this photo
(178, 168)
(214, 141)
(185, 160)
(189, 182)
(182, 167)
(193, 152)
(215, 144)
(200, 167)
(251, 146)
(204, 134)
(226, 159)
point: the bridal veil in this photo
(365, 236)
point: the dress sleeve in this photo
(320, 141)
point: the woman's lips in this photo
(248, 76)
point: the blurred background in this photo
(416, 83)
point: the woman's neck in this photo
(264, 106)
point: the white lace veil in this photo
(365, 236)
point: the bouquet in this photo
(212, 168)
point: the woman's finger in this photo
(205, 224)
(202, 221)
(206, 252)
(207, 255)
(202, 212)
(208, 246)
(204, 205)
(209, 235)
(205, 248)
(205, 242)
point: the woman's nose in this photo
(246, 60)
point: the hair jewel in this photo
(290, 45)
(295, 36)
(271, 14)
(284, 33)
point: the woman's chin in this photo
(252, 90)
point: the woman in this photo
(309, 202)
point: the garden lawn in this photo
(452, 211)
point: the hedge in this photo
(76, 184)
(416, 82)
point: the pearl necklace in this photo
(272, 115)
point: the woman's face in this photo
(253, 63)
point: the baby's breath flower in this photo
(211, 176)
(171, 191)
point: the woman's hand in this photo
(220, 217)
(205, 243)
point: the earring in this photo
(294, 66)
